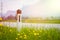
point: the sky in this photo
(33, 8)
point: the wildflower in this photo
(18, 34)
(10, 30)
(33, 31)
(20, 37)
(16, 38)
(35, 34)
(1, 24)
(25, 36)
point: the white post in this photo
(19, 18)
(19, 22)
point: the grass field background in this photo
(55, 21)
(9, 33)
(41, 21)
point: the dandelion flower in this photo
(1, 24)
(35, 34)
(20, 37)
(16, 38)
(18, 34)
(25, 37)
(33, 31)
(10, 30)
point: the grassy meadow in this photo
(55, 21)
(9, 33)
(41, 21)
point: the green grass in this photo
(8, 33)
(55, 21)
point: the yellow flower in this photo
(10, 30)
(35, 34)
(33, 31)
(16, 38)
(20, 37)
(18, 34)
(1, 24)
(25, 36)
